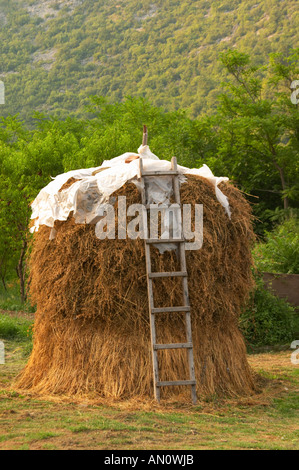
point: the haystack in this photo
(91, 331)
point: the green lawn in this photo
(269, 420)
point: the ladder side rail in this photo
(183, 267)
(150, 294)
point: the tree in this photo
(258, 128)
(28, 159)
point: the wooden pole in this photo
(145, 135)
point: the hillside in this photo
(54, 54)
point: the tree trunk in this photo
(3, 282)
(285, 198)
(283, 185)
(3, 273)
(280, 169)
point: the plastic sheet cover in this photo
(94, 187)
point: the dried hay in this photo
(91, 332)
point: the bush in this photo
(280, 252)
(267, 320)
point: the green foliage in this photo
(280, 252)
(267, 320)
(54, 56)
(256, 128)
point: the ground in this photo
(268, 420)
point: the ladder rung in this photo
(165, 240)
(173, 346)
(169, 274)
(159, 173)
(170, 309)
(176, 382)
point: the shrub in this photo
(267, 320)
(280, 252)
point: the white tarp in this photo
(87, 195)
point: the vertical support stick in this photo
(145, 136)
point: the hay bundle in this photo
(91, 333)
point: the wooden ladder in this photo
(154, 275)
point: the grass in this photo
(268, 420)
(73, 426)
